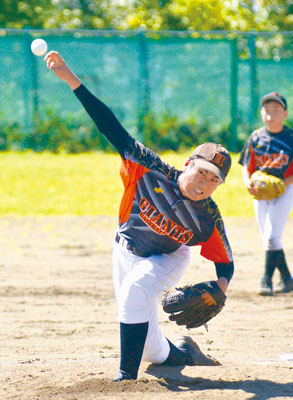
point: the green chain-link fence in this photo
(215, 78)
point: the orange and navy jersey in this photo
(154, 217)
(269, 152)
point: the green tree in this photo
(19, 14)
(201, 15)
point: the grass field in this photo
(89, 184)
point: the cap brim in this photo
(199, 162)
(273, 98)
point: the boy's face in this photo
(273, 115)
(197, 183)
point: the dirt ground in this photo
(59, 334)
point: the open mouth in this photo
(197, 190)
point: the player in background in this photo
(270, 149)
(163, 212)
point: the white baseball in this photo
(39, 47)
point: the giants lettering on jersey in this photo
(275, 160)
(158, 223)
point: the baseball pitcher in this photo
(163, 212)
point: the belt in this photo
(129, 247)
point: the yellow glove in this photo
(268, 186)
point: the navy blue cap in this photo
(275, 96)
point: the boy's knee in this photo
(156, 353)
(273, 244)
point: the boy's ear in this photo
(286, 114)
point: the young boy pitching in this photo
(163, 212)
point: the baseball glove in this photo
(268, 186)
(187, 306)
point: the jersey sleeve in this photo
(217, 248)
(138, 153)
(247, 156)
(289, 171)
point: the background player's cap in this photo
(275, 97)
(212, 157)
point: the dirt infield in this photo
(59, 335)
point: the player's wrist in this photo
(288, 181)
(73, 81)
(223, 283)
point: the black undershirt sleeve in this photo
(110, 127)
(225, 270)
(103, 117)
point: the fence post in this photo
(32, 78)
(144, 90)
(233, 95)
(253, 80)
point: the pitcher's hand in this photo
(56, 64)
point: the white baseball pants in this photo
(272, 216)
(138, 283)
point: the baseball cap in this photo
(212, 157)
(274, 96)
